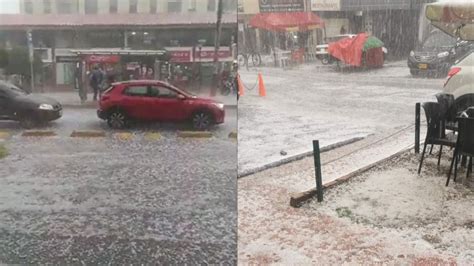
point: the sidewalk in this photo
(315, 233)
(72, 100)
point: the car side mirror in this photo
(181, 97)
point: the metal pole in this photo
(217, 65)
(31, 56)
(317, 168)
(200, 73)
(32, 76)
(417, 128)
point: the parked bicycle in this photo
(243, 59)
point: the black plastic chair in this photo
(464, 146)
(435, 134)
(448, 110)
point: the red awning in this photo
(287, 21)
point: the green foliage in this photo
(3, 152)
(3, 58)
(19, 62)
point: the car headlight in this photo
(46, 107)
(219, 105)
(412, 53)
(443, 54)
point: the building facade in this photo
(122, 6)
(396, 22)
(61, 28)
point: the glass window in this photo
(211, 5)
(113, 6)
(192, 5)
(174, 6)
(153, 6)
(47, 6)
(91, 7)
(439, 39)
(64, 6)
(133, 6)
(136, 91)
(229, 5)
(162, 92)
(29, 6)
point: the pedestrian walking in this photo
(343, 30)
(95, 81)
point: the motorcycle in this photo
(229, 87)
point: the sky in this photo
(9, 6)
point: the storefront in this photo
(119, 64)
(192, 67)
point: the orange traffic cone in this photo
(240, 85)
(261, 86)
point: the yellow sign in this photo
(292, 29)
(422, 66)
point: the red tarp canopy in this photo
(349, 51)
(286, 21)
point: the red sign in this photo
(180, 56)
(210, 54)
(103, 58)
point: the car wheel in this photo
(117, 120)
(201, 120)
(414, 72)
(325, 61)
(28, 122)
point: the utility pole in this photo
(31, 57)
(217, 68)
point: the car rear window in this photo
(109, 89)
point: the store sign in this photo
(102, 58)
(281, 5)
(67, 59)
(325, 5)
(210, 54)
(180, 56)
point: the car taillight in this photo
(452, 72)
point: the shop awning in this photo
(455, 17)
(287, 21)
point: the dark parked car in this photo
(150, 100)
(29, 109)
(437, 54)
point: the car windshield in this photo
(439, 40)
(13, 90)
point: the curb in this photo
(124, 136)
(233, 135)
(297, 157)
(87, 134)
(152, 136)
(38, 133)
(80, 106)
(297, 199)
(194, 134)
(5, 135)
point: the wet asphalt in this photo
(80, 201)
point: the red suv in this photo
(150, 100)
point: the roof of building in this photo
(19, 21)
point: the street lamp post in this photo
(31, 57)
(199, 69)
(201, 42)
